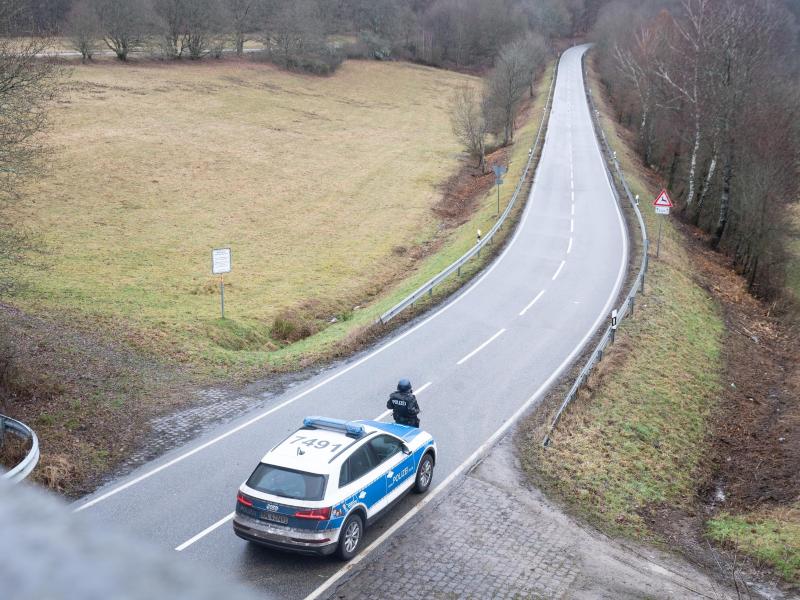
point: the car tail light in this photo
(241, 498)
(315, 514)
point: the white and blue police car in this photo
(317, 490)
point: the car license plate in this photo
(275, 518)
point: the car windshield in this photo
(287, 483)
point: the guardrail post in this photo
(633, 303)
(459, 271)
(430, 293)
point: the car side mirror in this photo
(406, 450)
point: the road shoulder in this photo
(494, 536)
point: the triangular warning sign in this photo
(663, 199)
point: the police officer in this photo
(404, 405)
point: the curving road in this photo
(482, 359)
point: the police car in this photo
(318, 489)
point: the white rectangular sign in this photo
(221, 260)
(662, 210)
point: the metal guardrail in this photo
(427, 288)
(638, 285)
(19, 429)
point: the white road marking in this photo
(481, 347)
(561, 266)
(569, 247)
(572, 225)
(205, 532)
(573, 195)
(573, 210)
(227, 518)
(422, 388)
(532, 302)
(336, 375)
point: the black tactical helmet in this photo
(404, 385)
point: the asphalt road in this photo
(487, 354)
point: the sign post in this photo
(221, 264)
(498, 181)
(662, 204)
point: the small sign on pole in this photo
(662, 204)
(221, 264)
(499, 170)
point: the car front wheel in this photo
(352, 534)
(424, 474)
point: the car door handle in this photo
(362, 495)
(390, 474)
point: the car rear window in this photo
(287, 483)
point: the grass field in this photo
(636, 440)
(321, 187)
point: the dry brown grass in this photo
(312, 182)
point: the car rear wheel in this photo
(352, 534)
(424, 474)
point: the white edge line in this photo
(208, 530)
(532, 302)
(336, 375)
(561, 266)
(569, 247)
(383, 414)
(205, 532)
(482, 346)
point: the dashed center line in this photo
(481, 347)
(532, 302)
(569, 246)
(561, 266)
(571, 225)
(205, 532)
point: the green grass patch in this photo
(772, 537)
(635, 436)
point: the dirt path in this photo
(492, 536)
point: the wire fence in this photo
(455, 267)
(637, 287)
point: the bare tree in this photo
(469, 123)
(634, 61)
(240, 14)
(83, 29)
(203, 21)
(684, 75)
(535, 50)
(293, 29)
(124, 24)
(506, 86)
(28, 84)
(172, 17)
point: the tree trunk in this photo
(724, 201)
(673, 168)
(239, 43)
(693, 160)
(712, 167)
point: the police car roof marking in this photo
(314, 459)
